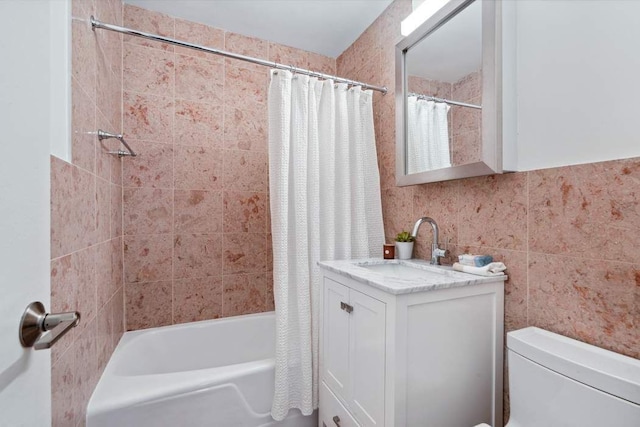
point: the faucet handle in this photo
(441, 252)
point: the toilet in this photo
(558, 381)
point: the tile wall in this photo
(568, 235)
(196, 203)
(86, 217)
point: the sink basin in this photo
(404, 270)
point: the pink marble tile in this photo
(117, 313)
(148, 305)
(245, 45)
(73, 208)
(198, 79)
(147, 258)
(198, 124)
(321, 63)
(197, 255)
(569, 203)
(110, 43)
(63, 403)
(419, 84)
(198, 211)
(147, 211)
(103, 210)
(83, 56)
(197, 299)
(589, 300)
(83, 128)
(397, 208)
(148, 117)
(485, 203)
(465, 148)
(439, 201)
(387, 166)
(104, 160)
(148, 21)
(467, 88)
(388, 23)
(152, 168)
(270, 301)
(200, 34)
(85, 367)
(108, 95)
(464, 119)
(245, 171)
(245, 85)
(244, 294)
(440, 89)
(104, 338)
(288, 55)
(82, 9)
(108, 270)
(246, 127)
(116, 210)
(147, 70)
(244, 212)
(198, 168)
(244, 253)
(73, 288)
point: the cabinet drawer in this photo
(330, 408)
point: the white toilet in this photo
(557, 381)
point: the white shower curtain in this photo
(427, 135)
(325, 204)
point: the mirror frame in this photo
(491, 157)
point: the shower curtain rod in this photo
(446, 101)
(104, 26)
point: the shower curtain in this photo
(427, 135)
(325, 204)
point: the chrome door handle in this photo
(346, 307)
(40, 330)
(336, 420)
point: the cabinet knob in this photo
(336, 420)
(346, 307)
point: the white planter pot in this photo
(404, 250)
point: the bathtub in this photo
(217, 373)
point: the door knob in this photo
(40, 330)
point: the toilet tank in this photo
(558, 381)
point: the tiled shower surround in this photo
(194, 225)
(196, 215)
(86, 218)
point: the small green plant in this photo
(404, 236)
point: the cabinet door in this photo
(367, 359)
(335, 348)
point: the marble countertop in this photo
(427, 277)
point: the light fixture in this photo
(423, 12)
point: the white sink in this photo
(404, 270)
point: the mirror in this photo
(446, 96)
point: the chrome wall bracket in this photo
(40, 330)
(120, 153)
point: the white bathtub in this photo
(216, 373)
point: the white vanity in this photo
(406, 343)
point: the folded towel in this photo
(475, 260)
(493, 269)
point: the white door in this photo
(28, 108)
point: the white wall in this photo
(578, 82)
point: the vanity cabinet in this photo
(405, 357)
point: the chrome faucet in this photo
(436, 252)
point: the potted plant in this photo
(404, 245)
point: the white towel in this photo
(493, 269)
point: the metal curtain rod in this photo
(446, 101)
(97, 24)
